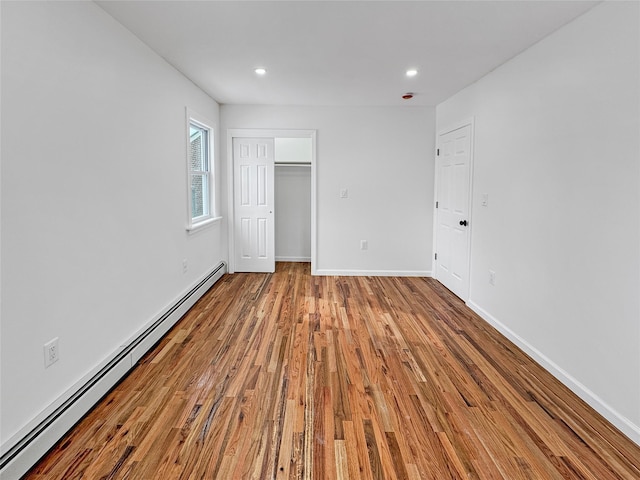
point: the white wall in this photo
(94, 198)
(385, 158)
(557, 150)
(293, 150)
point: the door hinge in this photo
(438, 152)
(436, 256)
(436, 204)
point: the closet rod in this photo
(291, 164)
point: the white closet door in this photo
(253, 176)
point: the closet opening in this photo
(271, 198)
(293, 158)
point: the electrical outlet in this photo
(51, 352)
(492, 277)
(364, 244)
(344, 193)
(185, 265)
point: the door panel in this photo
(263, 241)
(245, 180)
(245, 237)
(262, 186)
(253, 160)
(452, 234)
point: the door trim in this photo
(455, 126)
(268, 133)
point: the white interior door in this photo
(253, 180)
(453, 165)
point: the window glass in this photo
(200, 172)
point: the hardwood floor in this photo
(293, 376)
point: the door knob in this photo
(463, 223)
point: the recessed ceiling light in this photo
(260, 71)
(412, 72)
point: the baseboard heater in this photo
(16, 461)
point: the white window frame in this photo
(194, 224)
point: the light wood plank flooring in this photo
(292, 376)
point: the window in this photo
(200, 172)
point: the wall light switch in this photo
(344, 193)
(485, 199)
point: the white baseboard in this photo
(23, 450)
(294, 259)
(373, 273)
(619, 421)
(40, 439)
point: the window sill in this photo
(204, 224)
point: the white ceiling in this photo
(339, 52)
